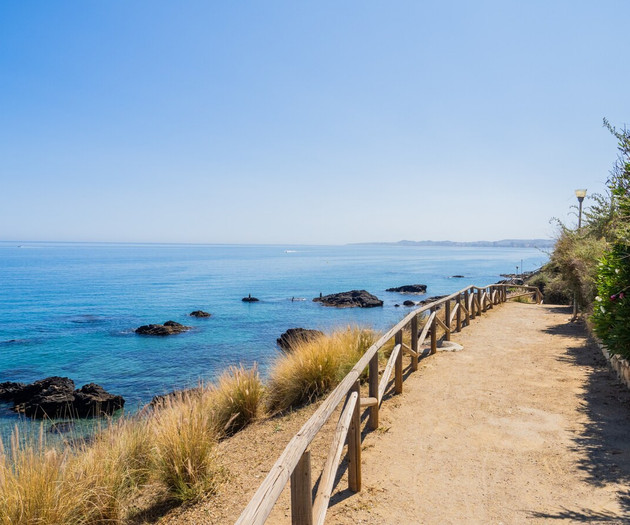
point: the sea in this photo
(70, 309)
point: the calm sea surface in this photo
(71, 309)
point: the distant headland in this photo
(505, 243)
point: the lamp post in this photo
(580, 194)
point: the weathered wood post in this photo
(354, 445)
(459, 312)
(479, 301)
(469, 313)
(447, 319)
(373, 391)
(398, 367)
(414, 343)
(301, 497)
(433, 332)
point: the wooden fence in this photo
(294, 463)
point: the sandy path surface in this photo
(525, 425)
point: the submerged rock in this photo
(409, 288)
(168, 328)
(199, 313)
(295, 336)
(55, 397)
(351, 299)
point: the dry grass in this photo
(237, 399)
(167, 453)
(313, 368)
(183, 439)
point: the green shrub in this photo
(611, 313)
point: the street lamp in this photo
(580, 194)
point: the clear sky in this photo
(305, 122)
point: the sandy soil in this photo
(524, 425)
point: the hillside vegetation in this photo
(591, 265)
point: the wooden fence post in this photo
(459, 312)
(301, 497)
(447, 320)
(479, 301)
(469, 315)
(373, 391)
(433, 332)
(414, 343)
(398, 367)
(354, 445)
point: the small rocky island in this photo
(168, 328)
(409, 288)
(250, 299)
(56, 397)
(199, 313)
(351, 299)
(294, 336)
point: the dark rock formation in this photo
(168, 328)
(199, 313)
(409, 303)
(249, 299)
(8, 390)
(350, 299)
(295, 336)
(457, 277)
(409, 288)
(92, 400)
(55, 397)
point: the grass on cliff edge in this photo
(313, 368)
(168, 453)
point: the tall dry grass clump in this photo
(313, 368)
(33, 488)
(111, 469)
(237, 399)
(184, 438)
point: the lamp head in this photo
(580, 194)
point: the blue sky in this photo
(295, 122)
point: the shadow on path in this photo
(604, 441)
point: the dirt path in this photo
(525, 425)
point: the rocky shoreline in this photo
(56, 397)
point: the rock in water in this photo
(249, 299)
(92, 400)
(168, 328)
(9, 390)
(350, 299)
(55, 397)
(409, 288)
(409, 303)
(295, 336)
(199, 313)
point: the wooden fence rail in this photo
(294, 463)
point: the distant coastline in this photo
(505, 243)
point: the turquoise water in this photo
(71, 309)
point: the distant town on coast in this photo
(505, 243)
